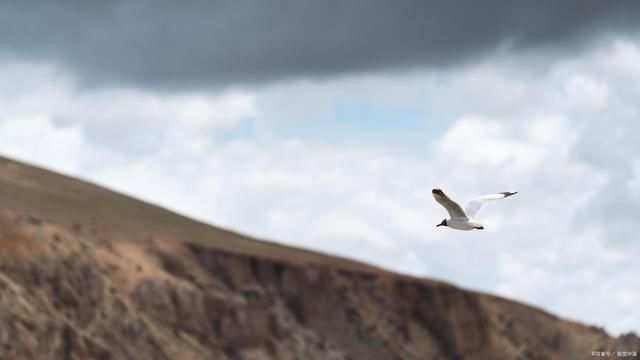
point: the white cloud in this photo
(112, 125)
(36, 138)
(570, 136)
(634, 183)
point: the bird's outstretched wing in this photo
(454, 210)
(474, 206)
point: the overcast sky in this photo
(326, 125)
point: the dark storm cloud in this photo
(218, 43)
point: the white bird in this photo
(464, 219)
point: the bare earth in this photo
(86, 273)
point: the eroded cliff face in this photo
(81, 292)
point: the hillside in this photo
(86, 273)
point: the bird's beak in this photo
(438, 225)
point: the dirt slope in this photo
(89, 274)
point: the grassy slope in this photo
(67, 200)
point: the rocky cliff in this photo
(86, 273)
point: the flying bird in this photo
(464, 219)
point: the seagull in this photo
(464, 219)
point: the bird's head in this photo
(443, 223)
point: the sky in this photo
(326, 125)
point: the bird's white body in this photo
(463, 224)
(463, 219)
